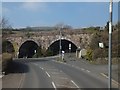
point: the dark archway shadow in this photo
(28, 49)
(54, 48)
(7, 47)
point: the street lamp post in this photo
(60, 46)
(110, 46)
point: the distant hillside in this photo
(37, 28)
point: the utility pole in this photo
(110, 47)
(60, 46)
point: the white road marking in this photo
(82, 69)
(74, 83)
(61, 71)
(1, 76)
(72, 65)
(54, 85)
(63, 78)
(107, 78)
(115, 82)
(61, 85)
(41, 68)
(77, 67)
(104, 75)
(87, 70)
(21, 81)
(55, 73)
(48, 74)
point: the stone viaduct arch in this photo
(62, 38)
(28, 49)
(46, 38)
(54, 47)
(8, 47)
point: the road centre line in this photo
(47, 74)
(38, 65)
(75, 66)
(82, 69)
(63, 78)
(72, 65)
(54, 85)
(61, 85)
(61, 71)
(41, 68)
(87, 70)
(74, 83)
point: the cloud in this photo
(34, 6)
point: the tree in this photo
(63, 26)
(4, 24)
(67, 27)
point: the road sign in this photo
(101, 45)
(70, 46)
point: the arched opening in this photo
(28, 49)
(7, 47)
(54, 48)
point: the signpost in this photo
(69, 47)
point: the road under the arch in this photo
(28, 49)
(55, 47)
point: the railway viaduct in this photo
(49, 39)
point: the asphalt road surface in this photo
(49, 73)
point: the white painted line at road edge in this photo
(107, 78)
(47, 74)
(1, 76)
(54, 85)
(74, 83)
(21, 81)
(104, 75)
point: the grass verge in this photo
(6, 60)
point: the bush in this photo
(100, 53)
(49, 53)
(38, 53)
(89, 54)
(6, 59)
